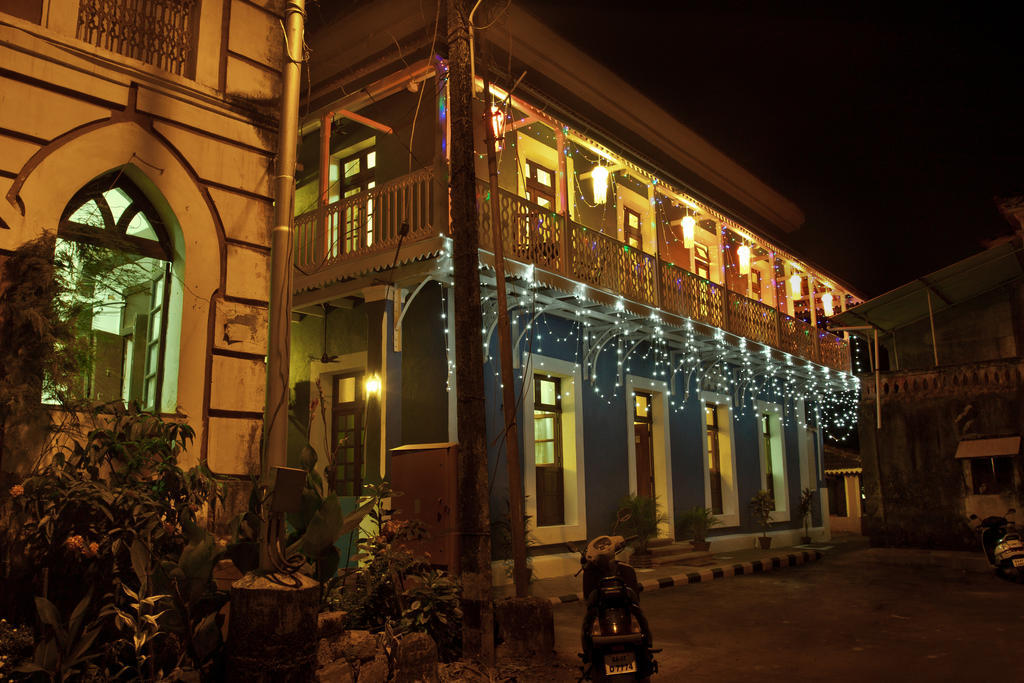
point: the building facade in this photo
(146, 131)
(664, 343)
(940, 422)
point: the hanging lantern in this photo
(497, 126)
(795, 285)
(744, 257)
(599, 176)
(826, 304)
(688, 227)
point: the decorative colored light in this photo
(599, 176)
(372, 385)
(688, 227)
(744, 257)
(796, 285)
(497, 126)
(826, 304)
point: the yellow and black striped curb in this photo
(720, 572)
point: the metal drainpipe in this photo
(275, 447)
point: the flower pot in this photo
(805, 539)
(701, 546)
(765, 541)
(642, 561)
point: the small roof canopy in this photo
(991, 447)
(949, 286)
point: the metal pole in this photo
(275, 447)
(878, 388)
(508, 392)
(931, 321)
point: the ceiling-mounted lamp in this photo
(599, 176)
(796, 285)
(826, 304)
(497, 126)
(688, 228)
(743, 254)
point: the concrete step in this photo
(680, 553)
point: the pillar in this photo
(384, 409)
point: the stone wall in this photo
(916, 489)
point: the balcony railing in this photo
(158, 32)
(368, 222)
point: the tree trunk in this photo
(472, 510)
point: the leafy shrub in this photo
(393, 588)
(111, 512)
(15, 646)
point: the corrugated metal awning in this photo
(988, 448)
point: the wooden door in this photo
(644, 460)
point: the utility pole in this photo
(472, 509)
(508, 392)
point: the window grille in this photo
(158, 32)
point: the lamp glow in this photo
(688, 227)
(497, 126)
(826, 304)
(744, 257)
(795, 285)
(372, 386)
(599, 176)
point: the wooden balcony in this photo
(370, 222)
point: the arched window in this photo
(117, 258)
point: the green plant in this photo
(393, 588)
(15, 646)
(695, 523)
(433, 608)
(804, 509)
(645, 515)
(762, 505)
(142, 626)
(66, 649)
(42, 352)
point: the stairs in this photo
(667, 552)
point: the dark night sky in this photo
(893, 130)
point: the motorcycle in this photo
(616, 638)
(1002, 544)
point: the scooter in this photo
(616, 638)
(1002, 544)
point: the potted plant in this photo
(644, 516)
(695, 523)
(806, 501)
(761, 507)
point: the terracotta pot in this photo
(765, 541)
(701, 546)
(805, 539)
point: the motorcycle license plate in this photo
(1018, 562)
(619, 663)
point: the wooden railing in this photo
(534, 234)
(365, 223)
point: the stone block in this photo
(375, 671)
(336, 672)
(416, 659)
(238, 384)
(245, 219)
(240, 327)
(359, 645)
(526, 625)
(248, 273)
(234, 445)
(256, 35)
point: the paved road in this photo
(843, 618)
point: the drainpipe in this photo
(275, 419)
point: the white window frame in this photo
(730, 516)
(571, 374)
(660, 441)
(779, 471)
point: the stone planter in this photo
(765, 541)
(700, 546)
(645, 561)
